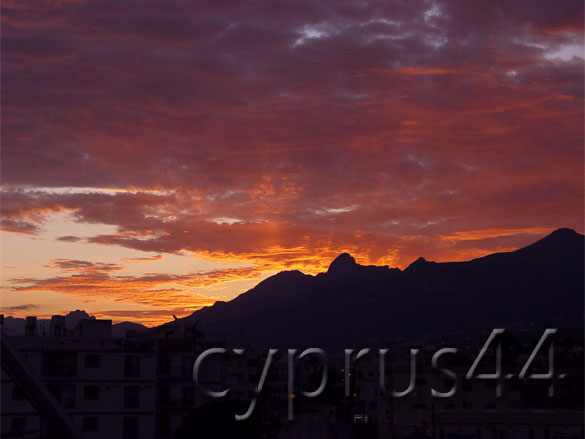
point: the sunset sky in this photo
(158, 156)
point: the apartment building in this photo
(105, 386)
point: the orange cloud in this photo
(494, 232)
(142, 260)
(94, 280)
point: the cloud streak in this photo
(164, 293)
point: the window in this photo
(17, 393)
(163, 426)
(55, 390)
(61, 364)
(187, 365)
(188, 395)
(92, 361)
(18, 424)
(132, 366)
(131, 397)
(63, 393)
(130, 427)
(164, 395)
(164, 365)
(90, 423)
(91, 392)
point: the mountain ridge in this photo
(347, 302)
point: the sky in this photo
(158, 156)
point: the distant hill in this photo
(527, 290)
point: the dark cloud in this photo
(68, 238)
(70, 265)
(25, 307)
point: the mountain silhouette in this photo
(342, 264)
(526, 291)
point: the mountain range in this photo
(526, 291)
